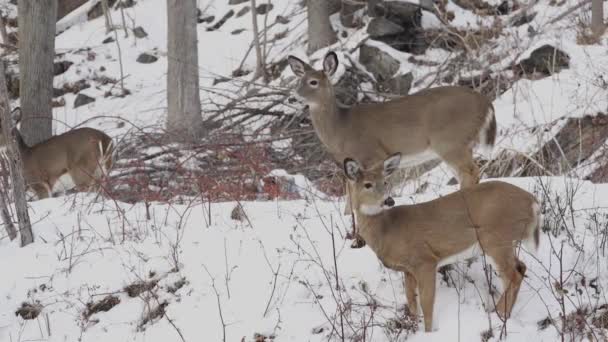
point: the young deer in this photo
(443, 122)
(415, 239)
(78, 158)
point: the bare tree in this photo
(597, 17)
(15, 165)
(184, 118)
(36, 54)
(320, 32)
(260, 58)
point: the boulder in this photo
(380, 27)
(139, 32)
(545, 60)
(264, 8)
(108, 40)
(146, 58)
(243, 11)
(398, 85)
(382, 65)
(236, 2)
(61, 67)
(82, 100)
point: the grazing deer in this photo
(443, 122)
(416, 239)
(78, 158)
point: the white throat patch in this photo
(370, 210)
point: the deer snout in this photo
(389, 202)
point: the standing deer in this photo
(78, 158)
(443, 122)
(416, 239)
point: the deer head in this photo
(371, 192)
(314, 83)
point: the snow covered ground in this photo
(286, 272)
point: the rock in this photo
(61, 67)
(108, 40)
(264, 8)
(222, 21)
(208, 19)
(282, 20)
(504, 8)
(126, 3)
(398, 85)
(139, 32)
(381, 26)
(243, 11)
(237, 31)
(97, 11)
(406, 14)
(522, 18)
(545, 60)
(146, 58)
(238, 213)
(382, 65)
(82, 99)
(236, 2)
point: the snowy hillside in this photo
(217, 242)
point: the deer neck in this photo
(371, 228)
(326, 116)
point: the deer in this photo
(443, 122)
(75, 159)
(493, 216)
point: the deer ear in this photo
(330, 63)
(297, 65)
(391, 164)
(352, 169)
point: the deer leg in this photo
(426, 284)
(463, 164)
(348, 210)
(512, 272)
(411, 285)
(358, 241)
(42, 190)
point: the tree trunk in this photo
(320, 32)
(260, 69)
(15, 163)
(597, 17)
(347, 12)
(372, 7)
(4, 200)
(184, 118)
(36, 54)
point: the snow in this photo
(274, 273)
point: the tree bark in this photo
(597, 17)
(4, 200)
(15, 163)
(36, 54)
(320, 32)
(184, 118)
(260, 63)
(347, 12)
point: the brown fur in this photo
(415, 238)
(445, 120)
(76, 153)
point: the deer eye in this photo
(313, 83)
(368, 185)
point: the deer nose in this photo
(389, 201)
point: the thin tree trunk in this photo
(36, 54)
(3, 31)
(372, 7)
(320, 31)
(259, 64)
(4, 200)
(15, 164)
(106, 15)
(184, 118)
(347, 12)
(597, 17)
